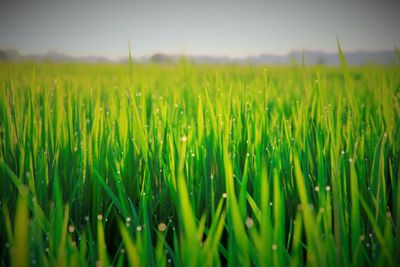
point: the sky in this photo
(225, 28)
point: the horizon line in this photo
(186, 54)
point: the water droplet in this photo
(249, 222)
(162, 227)
(71, 228)
(328, 188)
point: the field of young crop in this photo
(195, 165)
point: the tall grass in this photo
(187, 165)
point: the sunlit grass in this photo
(185, 165)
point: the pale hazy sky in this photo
(232, 28)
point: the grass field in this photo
(195, 165)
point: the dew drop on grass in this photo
(100, 217)
(139, 228)
(224, 195)
(328, 188)
(183, 138)
(249, 222)
(162, 227)
(71, 228)
(274, 246)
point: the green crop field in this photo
(199, 165)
